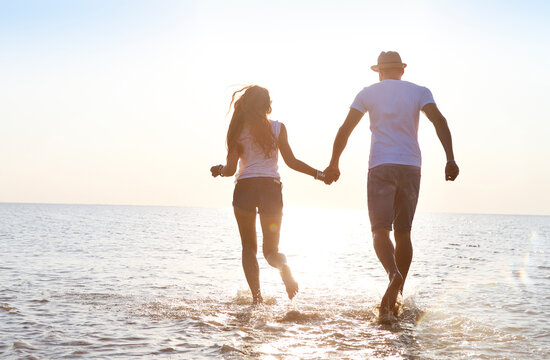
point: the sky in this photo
(125, 102)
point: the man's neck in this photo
(390, 78)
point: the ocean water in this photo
(166, 282)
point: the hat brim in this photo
(377, 68)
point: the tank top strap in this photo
(276, 126)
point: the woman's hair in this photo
(251, 108)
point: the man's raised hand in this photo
(451, 171)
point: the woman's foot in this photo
(256, 300)
(290, 284)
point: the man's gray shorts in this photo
(392, 196)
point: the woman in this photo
(256, 141)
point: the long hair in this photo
(251, 109)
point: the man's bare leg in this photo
(386, 254)
(247, 229)
(271, 229)
(403, 254)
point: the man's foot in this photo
(386, 318)
(398, 305)
(290, 284)
(388, 300)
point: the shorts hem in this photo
(380, 228)
(257, 212)
(244, 210)
(264, 214)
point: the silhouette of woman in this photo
(256, 141)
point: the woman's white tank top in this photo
(252, 161)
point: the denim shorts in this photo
(392, 192)
(261, 193)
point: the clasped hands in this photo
(332, 174)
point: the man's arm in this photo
(353, 118)
(444, 135)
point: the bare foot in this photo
(388, 300)
(256, 300)
(398, 307)
(290, 284)
(386, 318)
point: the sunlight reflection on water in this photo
(114, 282)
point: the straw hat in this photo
(387, 60)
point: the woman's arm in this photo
(290, 159)
(230, 167)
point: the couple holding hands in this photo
(393, 179)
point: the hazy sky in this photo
(124, 102)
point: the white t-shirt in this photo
(394, 109)
(252, 161)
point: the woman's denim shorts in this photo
(262, 194)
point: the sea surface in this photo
(108, 282)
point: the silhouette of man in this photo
(394, 163)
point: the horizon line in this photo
(221, 207)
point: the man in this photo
(394, 164)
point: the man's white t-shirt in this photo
(394, 109)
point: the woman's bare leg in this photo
(271, 229)
(247, 229)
